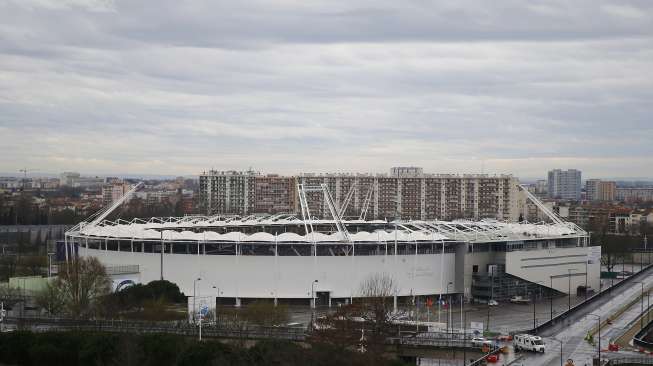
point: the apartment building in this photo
(564, 184)
(406, 193)
(631, 195)
(599, 190)
(274, 194)
(113, 192)
(227, 192)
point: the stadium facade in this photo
(280, 257)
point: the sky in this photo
(179, 87)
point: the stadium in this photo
(293, 259)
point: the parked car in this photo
(519, 300)
(492, 303)
(480, 342)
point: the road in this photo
(573, 333)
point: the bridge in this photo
(606, 315)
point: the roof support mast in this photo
(552, 215)
(306, 216)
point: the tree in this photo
(84, 281)
(10, 296)
(340, 328)
(345, 329)
(51, 298)
(377, 293)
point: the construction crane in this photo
(25, 171)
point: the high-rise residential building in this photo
(592, 189)
(642, 194)
(564, 184)
(541, 187)
(607, 191)
(598, 190)
(274, 194)
(113, 192)
(227, 192)
(67, 178)
(406, 193)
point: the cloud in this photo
(177, 87)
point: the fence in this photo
(179, 328)
(630, 361)
(601, 296)
(639, 338)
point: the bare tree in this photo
(377, 292)
(367, 323)
(51, 298)
(83, 281)
(10, 296)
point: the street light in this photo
(569, 289)
(449, 301)
(586, 280)
(313, 302)
(551, 296)
(465, 337)
(561, 343)
(195, 297)
(534, 325)
(216, 302)
(641, 320)
(313, 293)
(599, 319)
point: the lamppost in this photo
(534, 325)
(313, 301)
(598, 317)
(195, 297)
(465, 337)
(569, 289)
(641, 320)
(586, 280)
(449, 303)
(648, 304)
(551, 296)
(561, 343)
(217, 299)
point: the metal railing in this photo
(630, 361)
(606, 294)
(179, 328)
(639, 338)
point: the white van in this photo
(528, 342)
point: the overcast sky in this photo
(178, 87)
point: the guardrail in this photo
(178, 328)
(630, 361)
(638, 339)
(483, 359)
(560, 318)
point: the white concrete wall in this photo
(539, 265)
(287, 277)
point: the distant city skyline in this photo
(529, 180)
(109, 87)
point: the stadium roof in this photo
(203, 228)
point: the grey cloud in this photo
(181, 86)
